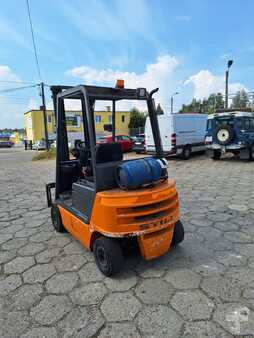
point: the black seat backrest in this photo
(108, 152)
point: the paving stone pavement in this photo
(51, 287)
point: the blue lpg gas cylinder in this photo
(136, 173)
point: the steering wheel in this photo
(80, 145)
(81, 152)
(78, 148)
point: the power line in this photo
(15, 97)
(23, 82)
(17, 88)
(33, 39)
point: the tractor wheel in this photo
(178, 235)
(56, 219)
(216, 155)
(108, 255)
(186, 153)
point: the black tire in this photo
(224, 135)
(108, 255)
(178, 235)
(252, 153)
(56, 219)
(216, 155)
(186, 153)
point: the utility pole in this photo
(172, 102)
(44, 116)
(229, 64)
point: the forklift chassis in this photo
(92, 207)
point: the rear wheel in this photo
(186, 152)
(216, 155)
(108, 255)
(178, 235)
(57, 219)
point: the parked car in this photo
(139, 144)
(39, 145)
(53, 144)
(125, 141)
(230, 132)
(181, 134)
(6, 144)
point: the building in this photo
(34, 123)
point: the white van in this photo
(181, 134)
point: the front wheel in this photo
(178, 235)
(108, 255)
(56, 219)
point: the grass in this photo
(45, 155)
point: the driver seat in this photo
(108, 156)
(108, 152)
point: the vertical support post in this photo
(226, 90)
(44, 116)
(113, 120)
(155, 126)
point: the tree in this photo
(137, 118)
(159, 110)
(220, 103)
(207, 105)
(194, 106)
(240, 100)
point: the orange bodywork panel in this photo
(76, 227)
(148, 213)
(156, 243)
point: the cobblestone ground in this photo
(50, 286)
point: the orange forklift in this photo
(108, 203)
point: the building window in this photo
(110, 119)
(72, 121)
(49, 119)
(123, 118)
(97, 118)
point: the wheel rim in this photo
(102, 258)
(223, 135)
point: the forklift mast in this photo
(88, 95)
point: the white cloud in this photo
(158, 74)
(12, 105)
(206, 83)
(7, 75)
(33, 104)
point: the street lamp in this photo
(172, 101)
(229, 64)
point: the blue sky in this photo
(178, 45)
